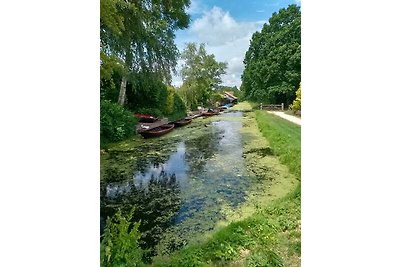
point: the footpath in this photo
(291, 118)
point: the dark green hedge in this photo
(116, 123)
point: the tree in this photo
(169, 106)
(141, 34)
(272, 63)
(201, 74)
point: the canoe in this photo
(182, 122)
(163, 129)
(145, 117)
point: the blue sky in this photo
(226, 27)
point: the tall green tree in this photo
(201, 74)
(273, 61)
(140, 33)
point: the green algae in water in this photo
(210, 179)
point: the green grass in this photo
(270, 236)
(284, 137)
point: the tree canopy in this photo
(273, 61)
(140, 33)
(201, 74)
(137, 56)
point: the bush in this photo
(297, 102)
(116, 123)
(120, 244)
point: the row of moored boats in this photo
(150, 126)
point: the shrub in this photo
(297, 102)
(120, 244)
(116, 123)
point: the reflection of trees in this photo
(141, 157)
(201, 148)
(156, 204)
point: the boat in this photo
(145, 126)
(145, 117)
(210, 113)
(195, 115)
(160, 130)
(182, 122)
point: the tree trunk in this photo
(122, 91)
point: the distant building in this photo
(229, 98)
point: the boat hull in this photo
(145, 118)
(182, 122)
(161, 130)
(208, 114)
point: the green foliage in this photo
(142, 32)
(272, 62)
(169, 106)
(146, 91)
(115, 122)
(264, 258)
(191, 95)
(111, 71)
(200, 73)
(120, 244)
(215, 97)
(110, 17)
(225, 245)
(297, 102)
(179, 110)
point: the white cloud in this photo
(224, 37)
(196, 7)
(217, 27)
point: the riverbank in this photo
(265, 230)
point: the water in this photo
(180, 183)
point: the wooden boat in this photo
(160, 130)
(195, 115)
(145, 126)
(145, 117)
(210, 113)
(182, 122)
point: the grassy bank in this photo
(284, 138)
(268, 237)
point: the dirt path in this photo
(291, 118)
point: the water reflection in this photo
(180, 184)
(155, 205)
(176, 164)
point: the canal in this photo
(181, 184)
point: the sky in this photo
(226, 27)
